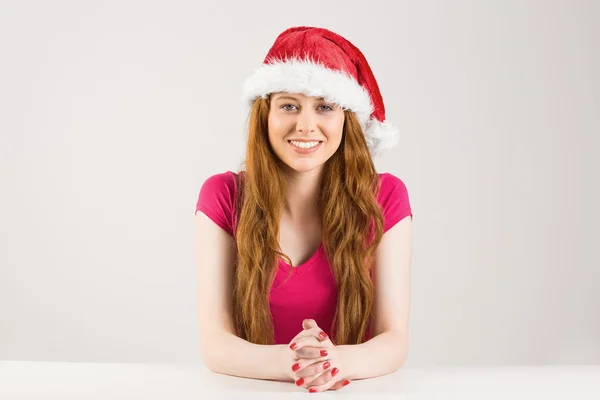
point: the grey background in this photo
(113, 113)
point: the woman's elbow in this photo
(208, 353)
(401, 358)
(214, 364)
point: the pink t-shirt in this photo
(311, 291)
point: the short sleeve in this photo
(217, 200)
(394, 200)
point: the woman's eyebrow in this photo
(284, 97)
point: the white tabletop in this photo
(89, 381)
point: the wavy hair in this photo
(348, 204)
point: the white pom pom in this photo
(381, 136)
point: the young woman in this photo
(303, 256)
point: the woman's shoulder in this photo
(393, 198)
(217, 199)
(225, 178)
(224, 183)
(390, 183)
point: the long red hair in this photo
(348, 205)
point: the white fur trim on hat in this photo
(313, 78)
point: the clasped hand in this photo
(314, 361)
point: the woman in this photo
(303, 256)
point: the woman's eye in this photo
(326, 107)
(287, 106)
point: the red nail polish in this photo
(323, 335)
(293, 346)
(300, 382)
(295, 367)
(345, 382)
(312, 390)
(324, 353)
(334, 371)
(326, 365)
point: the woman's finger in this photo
(316, 332)
(305, 381)
(309, 323)
(340, 384)
(305, 341)
(318, 380)
(312, 324)
(310, 352)
(301, 364)
(327, 385)
(314, 369)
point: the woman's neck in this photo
(303, 193)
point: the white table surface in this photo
(90, 381)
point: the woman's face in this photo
(295, 117)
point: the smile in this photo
(305, 147)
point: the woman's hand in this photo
(295, 356)
(317, 363)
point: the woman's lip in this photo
(305, 151)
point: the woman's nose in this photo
(306, 121)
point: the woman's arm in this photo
(382, 355)
(230, 355)
(221, 350)
(387, 351)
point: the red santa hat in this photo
(318, 62)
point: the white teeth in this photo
(304, 145)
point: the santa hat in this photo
(318, 62)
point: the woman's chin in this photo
(304, 165)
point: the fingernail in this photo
(326, 365)
(323, 353)
(295, 367)
(323, 335)
(300, 382)
(334, 371)
(345, 382)
(312, 390)
(293, 346)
